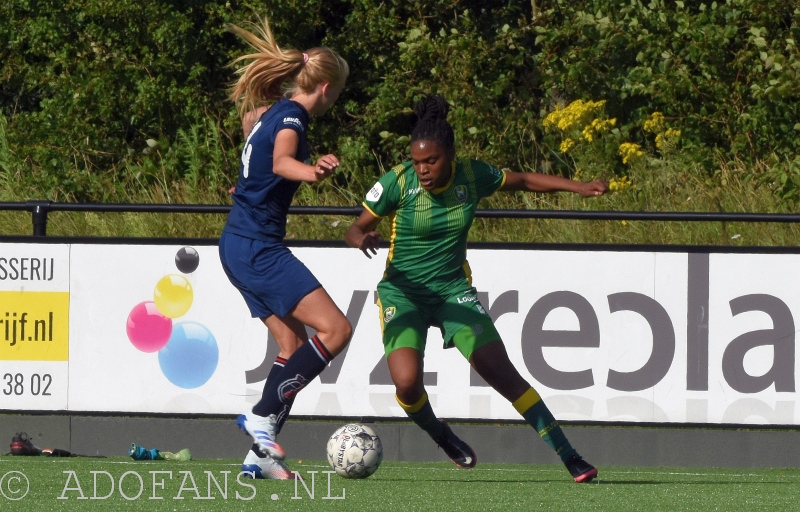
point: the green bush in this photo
(85, 85)
(125, 102)
(726, 73)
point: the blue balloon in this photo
(190, 356)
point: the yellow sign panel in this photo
(34, 326)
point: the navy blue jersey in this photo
(262, 198)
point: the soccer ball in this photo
(355, 451)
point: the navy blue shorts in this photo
(270, 278)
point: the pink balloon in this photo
(147, 328)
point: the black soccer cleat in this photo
(459, 452)
(21, 444)
(581, 471)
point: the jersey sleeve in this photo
(488, 178)
(384, 197)
(287, 122)
(293, 118)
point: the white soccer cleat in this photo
(263, 431)
(259, 465)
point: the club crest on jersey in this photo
(388, 314)
(461, 194)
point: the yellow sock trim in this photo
(526, 401)
(415, 407)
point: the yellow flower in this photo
(597, 126)
(668, 138)
(573, 116)
(654, 123)
(630, 151)
(602, 125)
(578, 121)
(618, 185)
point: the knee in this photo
(345, 330)
(407, 388)
(408, 394)
(339, 336)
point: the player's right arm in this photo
(285, 165)
(381, 200)
(362, 234)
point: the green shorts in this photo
(464, 323)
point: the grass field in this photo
(42, 483)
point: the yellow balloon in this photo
(173, 296)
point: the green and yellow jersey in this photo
(428, 251)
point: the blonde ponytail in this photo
(271, 72)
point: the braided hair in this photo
(432, 122)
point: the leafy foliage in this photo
(100, 98)
(728, 73)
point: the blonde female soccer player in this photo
(278, 91)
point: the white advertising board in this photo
(34, 326)
(604, 336)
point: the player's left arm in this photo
(538, 182)
(285, 165)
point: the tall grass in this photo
(201, 165)
(674, 188)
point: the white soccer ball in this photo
(355, 451)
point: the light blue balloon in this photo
(190, 356)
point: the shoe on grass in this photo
(459, 452)
(260, 465)
(21, 444)
(263, 430)
(581, 471)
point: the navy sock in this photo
(301, 368)
(274, 374)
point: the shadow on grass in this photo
(687, 482)
(599, 481)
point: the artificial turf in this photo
(76, 483)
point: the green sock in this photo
(422, 414)
(531, 406)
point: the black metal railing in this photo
(40, 210)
